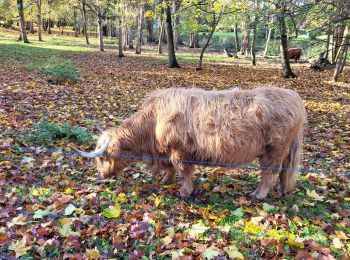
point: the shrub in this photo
(44, 132)
(60, 71)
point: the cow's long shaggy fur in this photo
(232, 127)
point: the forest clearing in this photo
(55, 205)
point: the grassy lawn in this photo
(105, 218)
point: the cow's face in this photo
(109, 164)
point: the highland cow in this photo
(294, 53)
(230, 127)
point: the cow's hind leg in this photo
(272, 162)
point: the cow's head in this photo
(109, 160)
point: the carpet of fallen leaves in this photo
(69, 212)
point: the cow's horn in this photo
(99, 152)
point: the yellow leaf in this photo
(157, 202)
(347, 199)
(69, 191)
(93, 254)
(341, 235)
(20, 247)
(112, 212)
(337, 243)
(167, 240)
(313, 194)
(122, 198)
(5, 163)
(36, 192)
(251, 228)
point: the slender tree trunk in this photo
(267, 42)
(139, 31)
(287, 70)
(149, 23)
(172, 62)
(215, 23)
(328, 42)
(253, 46)
(176, 8)
(120, 38)
(38, 7)
(245, 36)
(75, 22)
(22, 21)
(341, 56)
(236, 38)
(49, 18)
(255, 24)
(99, 28)
(32, 27)
(130, 41)
(150, 37)
(85, 22)
(161, 35)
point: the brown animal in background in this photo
(230, 127)
(294, 53)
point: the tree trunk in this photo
(38, 6)
(328, 42)
(245, 36)
(85, 22)
(49, 18)
(161, 36)
(75, 23)
(150, 37)
(139, 31)
(32, 27)
(253, 46)
(176, 8)
(236, 38)
(22, 21)
(172, 62)
(49, 26)
(215, 23)
(130, 41)
(341, 56)
(287, 70)
(267, 42)
(99, 28)
(120, 38)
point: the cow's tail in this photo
(289, 173)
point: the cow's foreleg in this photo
(187, 184)
(169, 176)
(185, 172)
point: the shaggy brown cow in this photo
(231, 127)
(294, 53)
